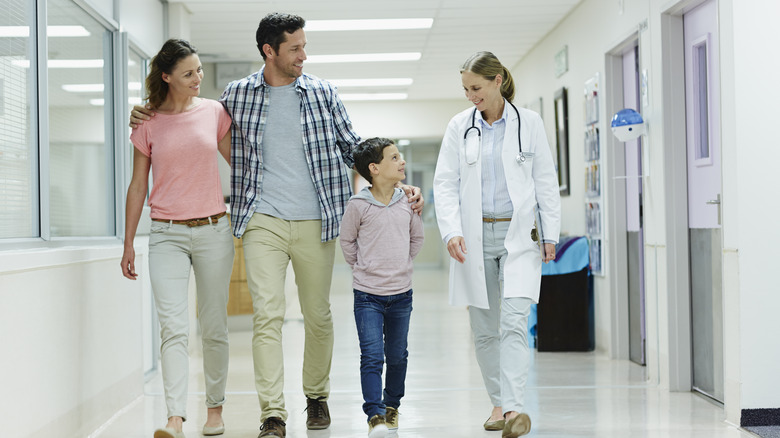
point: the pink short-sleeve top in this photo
(183, 151)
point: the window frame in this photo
(116, 52)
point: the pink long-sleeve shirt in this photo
(380, 242)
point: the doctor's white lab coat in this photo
(457, 190)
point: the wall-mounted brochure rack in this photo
(593, 196)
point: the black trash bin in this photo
(565, 309)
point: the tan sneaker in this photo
(391, 418)
(377, 428)
(494, 425)
(518, 426)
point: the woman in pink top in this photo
(189, 228)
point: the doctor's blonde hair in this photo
(487, 65)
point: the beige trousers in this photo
(270, 244)
(209, 250)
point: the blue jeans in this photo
(382, 326)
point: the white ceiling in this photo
(224, 31)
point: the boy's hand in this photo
(139, 115)
(457, 248)
(415, 195)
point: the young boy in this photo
(380, 236)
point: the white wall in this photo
(143, 21)
(752, 156)
(72, 329)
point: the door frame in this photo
(679, 337)
(617, 244)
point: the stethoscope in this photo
(521, 156)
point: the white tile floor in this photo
(568, 394)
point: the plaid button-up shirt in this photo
(328, 141)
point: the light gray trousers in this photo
(501, 332)
(209, 250)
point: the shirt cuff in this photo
(449, 236)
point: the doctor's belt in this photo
(491, 220)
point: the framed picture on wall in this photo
(561, 109)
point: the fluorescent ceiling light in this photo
(379, 24)
(365, 57)
(101, 102)
(374, 96)
(52, 31)
(378, 82)
(83, 88)
(64, 63)
(404, 142)
(96, 88)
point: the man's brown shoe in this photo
(273, 426)
(318, 415)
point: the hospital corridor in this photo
(145, 144)
(569, 394)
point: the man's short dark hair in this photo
(272, 29)
(367, 152)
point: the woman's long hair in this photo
(488, 66)
(173, 51)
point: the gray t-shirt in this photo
(287, 190)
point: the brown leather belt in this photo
(491, 220)
(194, 222)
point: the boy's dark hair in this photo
(367, 152)
(272, 28)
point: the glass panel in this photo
(18, 149)
(702, 102)
(80, 149)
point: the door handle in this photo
(715, 202)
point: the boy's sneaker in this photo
(377, 428)
(391, 418)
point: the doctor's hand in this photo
(139, 115)
(457, 248)
(415, 196)
(549, 252)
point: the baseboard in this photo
(91, 414)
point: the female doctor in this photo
(494, 176)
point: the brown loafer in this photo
(518, 426)
(273, 426)
(494, 425)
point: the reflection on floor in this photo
(569, 394)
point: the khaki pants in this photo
(269, 245)
(209, 250)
